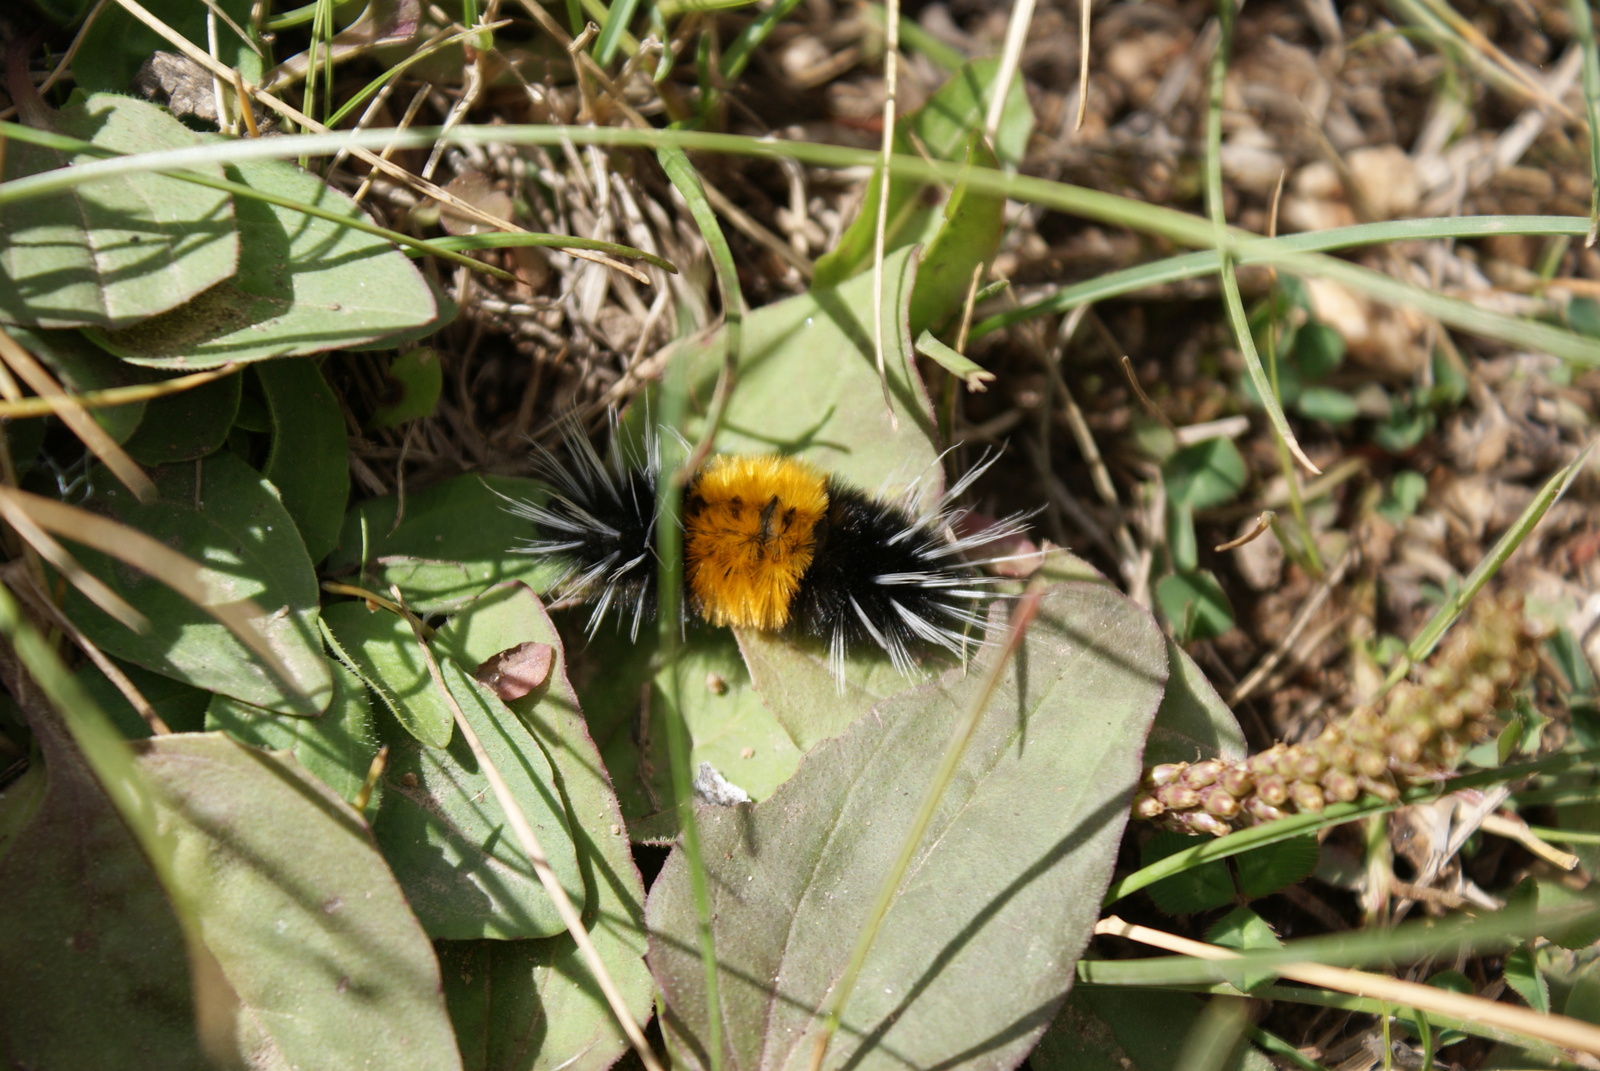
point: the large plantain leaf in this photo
(291, 897)
(454, 541)
(95, 974)
(222, 514)
(112, 252)
(304, 285)
(533, 1005)
(978, 947)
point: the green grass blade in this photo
(1504, 547)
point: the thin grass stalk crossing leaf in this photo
(1021, 618)
(669, 586)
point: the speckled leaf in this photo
(532, 1005)
(978, 947)
(383, 651)
(304, 285)
(336, 747)
(731, 728)
(293, 900)
(445, 835)
(113, 252)
(221, 514)
(456, 540)
(307, 462)
(96, 973)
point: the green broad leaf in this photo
(304, 284)
(1028, 828)
(382, 650)
(1404, 495)
(1326, 403)
(708, 684)
(793, 680)
(456, 540)
(533, 1005)
(302, 915)
(1523, 975)
(1193, 722)
(968, 239)
(1118, 1029)
(808, 386)
(113, 252)
(80, 367)
(1243, 930)
(1318, 350)
(452, 848)
(181, 706)
(1195, 605)
(1200, 888)
(940, 128)
(1205, 475)
(336, 747)
(448, 311)
(415, 379)
(1268, 869)
(96, 970)
(188, 425)
(1405, 428)
(1183, 542)
(220, 513)
(117, 44)
(307, 463)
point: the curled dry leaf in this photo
(516, 671)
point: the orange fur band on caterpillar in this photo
(769, 543)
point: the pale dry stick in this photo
(26, 588)
(216, 9)
(891, 75)
(1556, 1029)
(418, 99)
(67, 409)
(247, 111)
(1010, 57)
(54, 553)
(1144, 399)
(1510, 827)
(219, 101)
(115, 396)
(458, 111)
(1083, 64)
(533, 850)
(66, 59)
(437, 192)
(1128, 558)
(153, 557)
(1263, 525)
(1247, 687)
